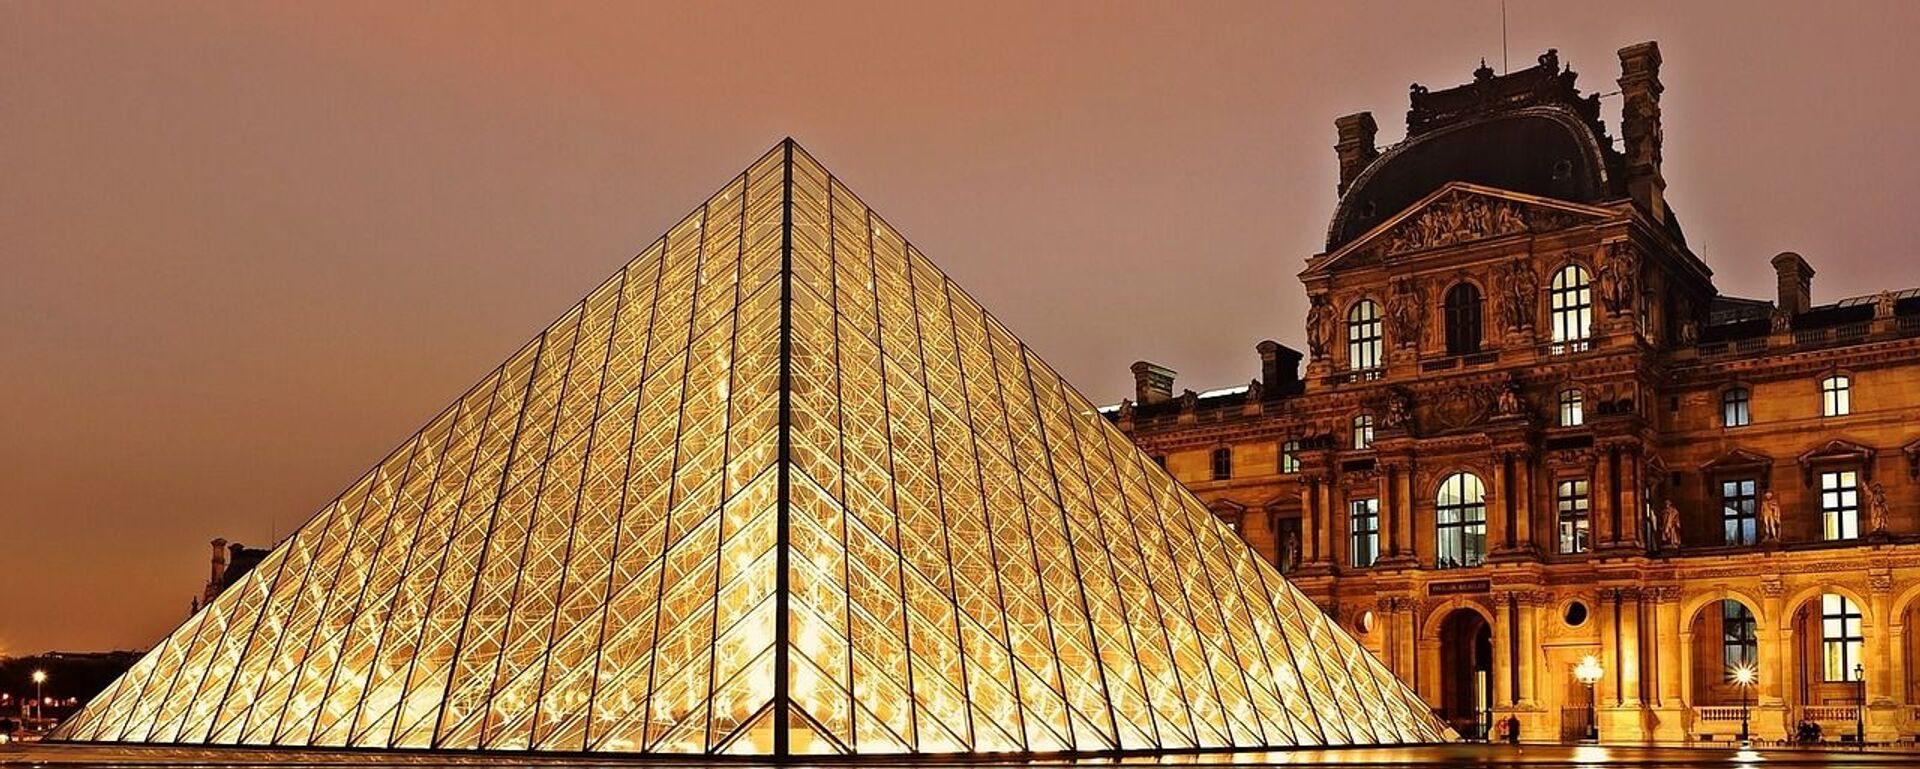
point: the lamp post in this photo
(1588, 672)
(39, 696)
(1860, 709)
(1745, 676)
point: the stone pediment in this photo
(1458, 214)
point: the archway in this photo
(1828, 656)
(1725, 641)
(1466, 672)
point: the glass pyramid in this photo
(777, 487)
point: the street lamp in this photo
(1745, 676)
(1860, 710)
(39, 697)
(1588, 672)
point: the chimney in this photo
(1356, 146)
(1795, 280)
(1640, 126)
(219, 562)
(1152, 383)
(1279, 367)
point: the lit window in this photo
(1365, 517)
(1739, 644)
(1290, 456)
(1222, 463)
(1736, 405)
(1572, 409)
(1463, 309)
(1840, 638)
(1836, 396)
(1363, 432)
(1460, 514)
(1574, 510)
(1571, 300)
(1738, 503)
(1839, 505)
(1365, 344)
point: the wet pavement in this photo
(1473, 755)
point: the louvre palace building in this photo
(1531, 433)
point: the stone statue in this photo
(1877, 508)
(1883, 304)
(1779, 321)
(1403, 313)
(1126, 410)
(1520, 291)
(1256, 391)
(1769, 517)
(1319, 326)
(1293, 550)
(1618, 277)
(1670, 526)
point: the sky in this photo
(247, 248)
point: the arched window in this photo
(1840, 638)
(1363, 432)
(1460, 515)
(1736, 407)
(1573, 411)
(1739, 645)
(1571, 299)
(1836, 396)
(1463, 307)
(1222, 463)
(1365, 344)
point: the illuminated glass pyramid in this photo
(777, 487)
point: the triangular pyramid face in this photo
(777, 487)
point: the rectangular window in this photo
(1364, 515)
(1739, 645)
(1839, 505)
(1574, 511)
(1735, 407)
(1739, 504)
(1362, 432)
(1836, 396)
(1460, 521)
(1573, 411)
(1840, 638)
(1290, 457)
(1222, 463)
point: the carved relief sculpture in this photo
(1398, 412)
(1457, 218)
(1769, 517)
(1508, 402)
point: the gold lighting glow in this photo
(778, 485)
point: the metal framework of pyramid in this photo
(778, 487)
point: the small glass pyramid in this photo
(778, 487)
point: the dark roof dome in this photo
(1530, 131)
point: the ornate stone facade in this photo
(1586, 451)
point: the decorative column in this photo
(1309, 515)
(1384, 476)
(1602, 508)
(1882, 717)
(1776, 660)
(1522, 472)
(1409, 546)
(1630, 657)
(1503, 654)
(1670, 713)
(1529, 659)
(1500, 514)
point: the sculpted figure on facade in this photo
(1779, 321)
(1670, 526)
(1404, 312)
(1508, 404)
(1458, 218)
(1519, 293)
(1877, 512)
(1319, 325)
(1770, 517)
(1398, 413)
(1618, 277)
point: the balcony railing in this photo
(1718, 713)
(1830, 712)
